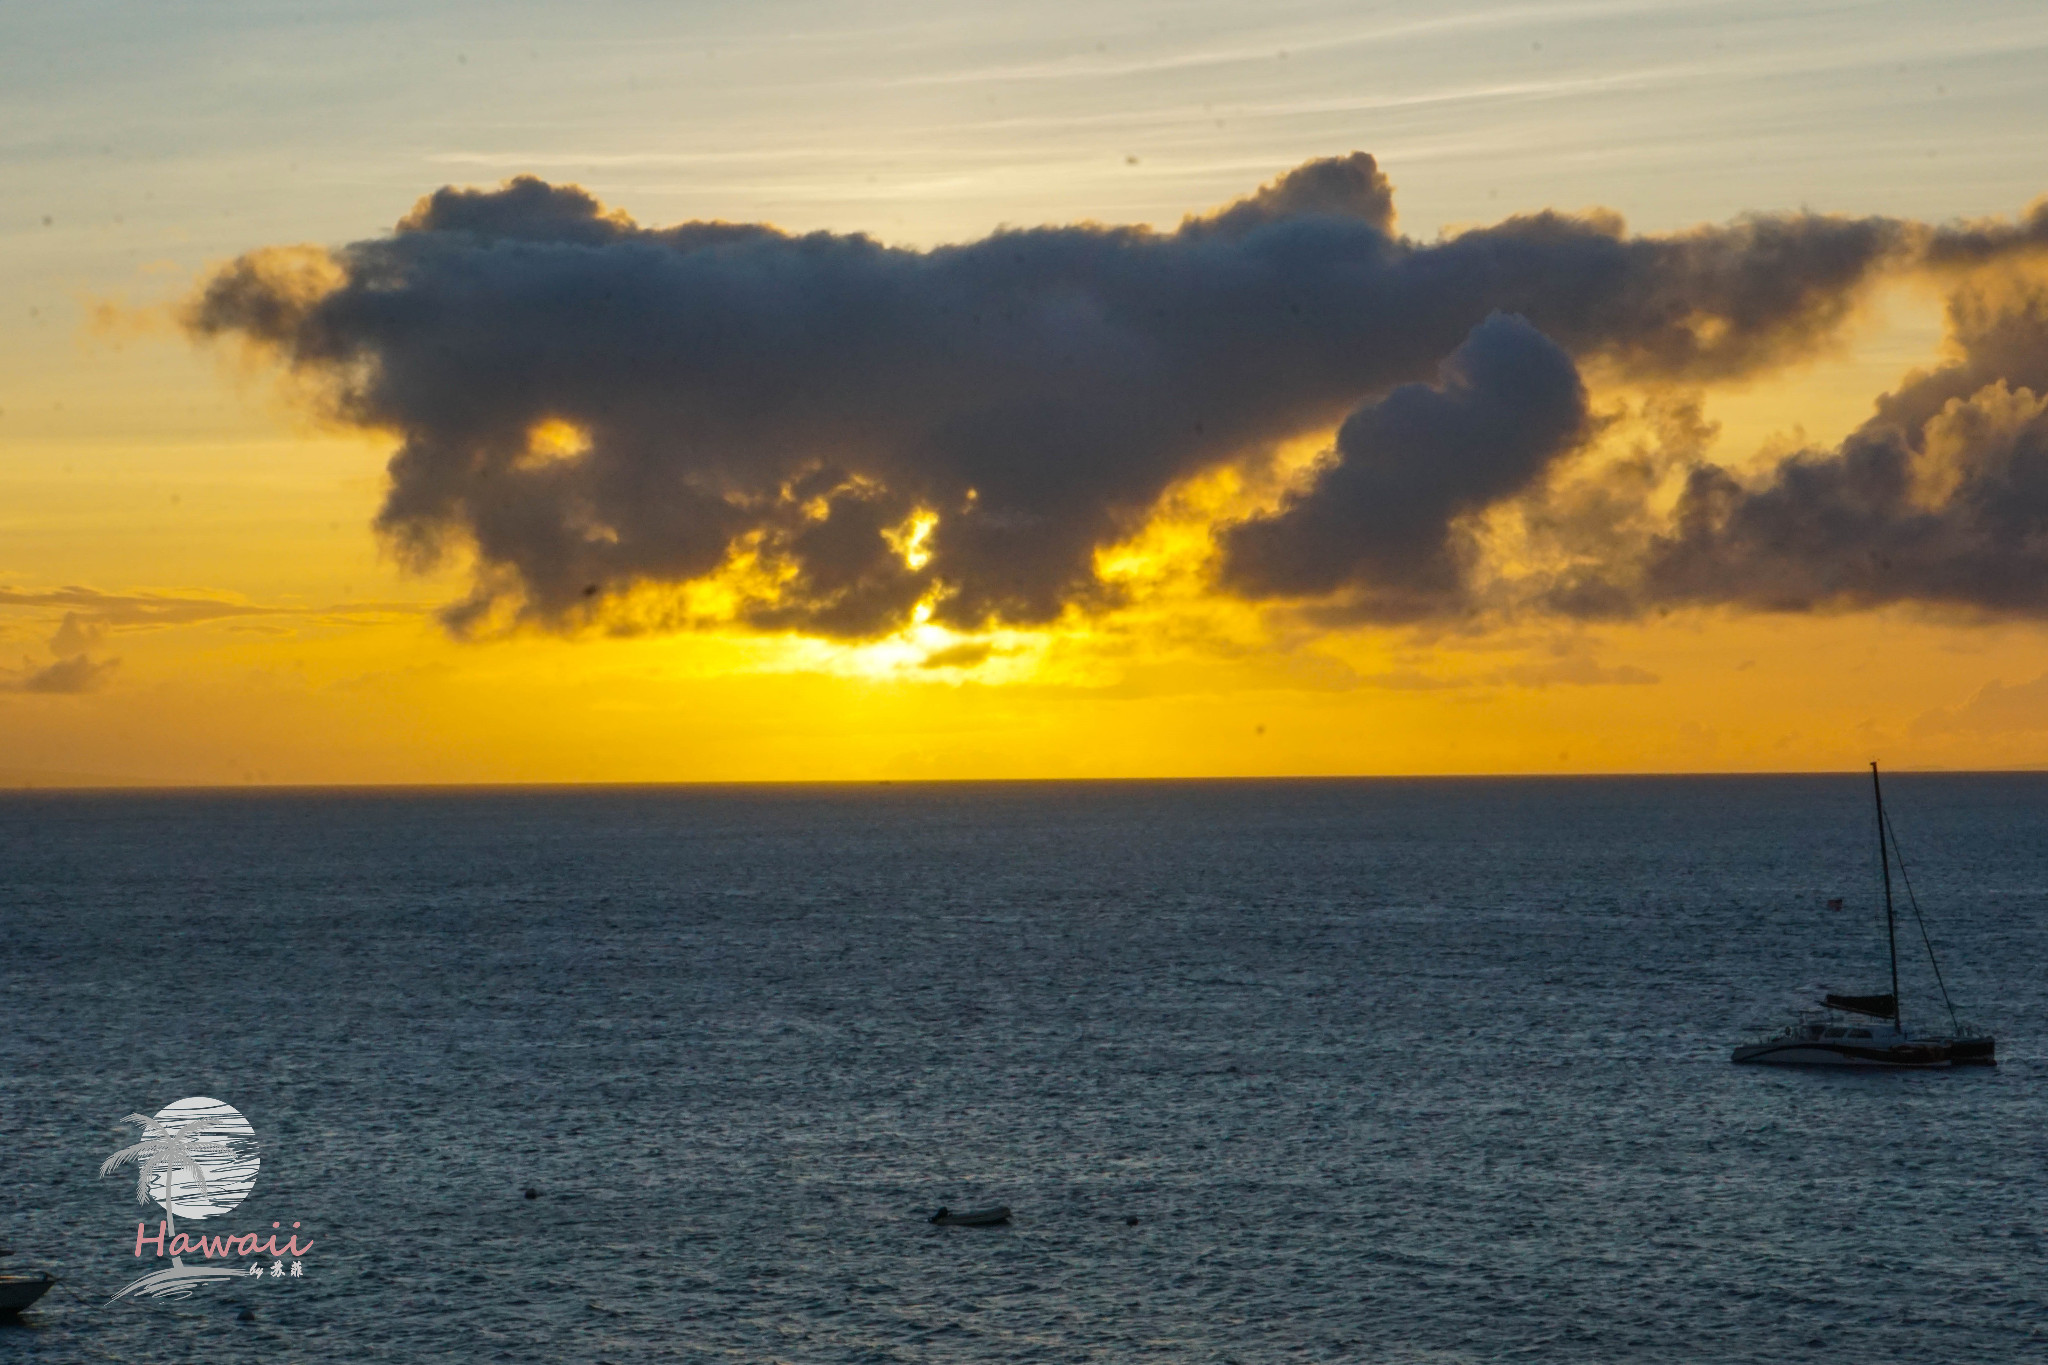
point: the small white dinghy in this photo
(975, 1218)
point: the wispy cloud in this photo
(89, 614)
(1100, 64)
(1998, 708)
(1570, 671)
(92, 607)
(65, 677)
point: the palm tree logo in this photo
(177, 1163)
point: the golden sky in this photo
(193, 590)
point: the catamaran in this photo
(1871, 1030)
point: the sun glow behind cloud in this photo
(1160, 581)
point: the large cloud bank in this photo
(1940, 498)
(592, 406)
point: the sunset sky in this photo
(1592, 387)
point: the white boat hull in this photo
(1807, 1053)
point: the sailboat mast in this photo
(1884, 864)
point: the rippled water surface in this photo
(1396, 1071)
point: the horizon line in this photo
(81, 784)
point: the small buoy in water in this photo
(1131, 1221)
(532, 1193)
(246, 1315)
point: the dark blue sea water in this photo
(1385, 1071)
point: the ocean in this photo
(1390, 1070)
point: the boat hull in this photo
(978, 1218)
(1813, 1052)
(19, 1291)
(1973, 1052)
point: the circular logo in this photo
(214, 1164)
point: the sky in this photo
(464, 393)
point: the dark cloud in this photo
(795, 401)
(1969, 244)
(1340, 186)
(77, 634)
(967, 654)
(64, 677)
(1378, 519)
(1941, 498)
